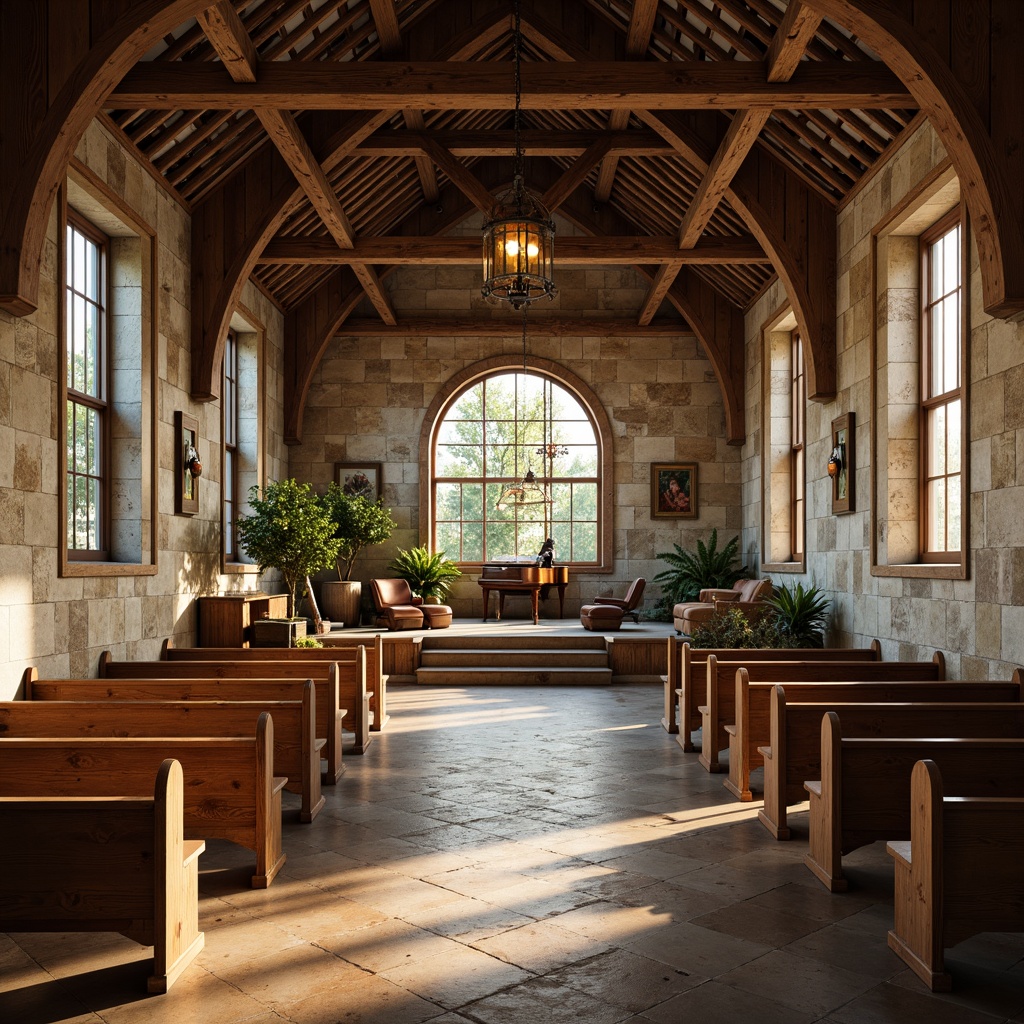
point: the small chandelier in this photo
(519, 236)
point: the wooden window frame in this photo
(798, 453)
(930, 402)
(76, 223)
(230, 434)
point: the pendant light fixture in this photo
(519, 234)
(529, 490)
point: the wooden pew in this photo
(296, 748)
(335, 649)
(864, 791)
(230, 790)
(751, 729)
(719, 710)
(959, 874)
(96, 864)
(978, 708)
(351, 675)
(328, 714)
(686, 680)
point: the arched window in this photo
(488, 437)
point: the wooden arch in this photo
(987, 159)
(35, 163)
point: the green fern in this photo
(691, 573)
(802, 613)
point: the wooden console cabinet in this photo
(225, 620)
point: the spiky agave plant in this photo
(691, 573)
(802, 613)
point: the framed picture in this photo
(674, 490)
(841, 464)
(187, 465)
(359, 478)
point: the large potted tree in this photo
(358, 523)
(289, 529)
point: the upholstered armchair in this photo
(630, 604)
(749, 596)
(393, 601)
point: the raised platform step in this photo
(513, 676)
(494, 657)
(508, 641)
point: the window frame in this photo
(92, 198)
(76, 223)
(923, 206)
(798, 449)
(579, 390)
(230, 451)
(928, 401)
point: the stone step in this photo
(519, 657)
(511, 676)
(506, 642)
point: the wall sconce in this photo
(836, 460)
(192, 461)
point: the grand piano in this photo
(515, 577)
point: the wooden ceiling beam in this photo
(784, 54)
(385, 18)
(230, 40)
(482, 327)
(458, 173)
(536, 142)
(576, 174)
(638, 39)
(712, 250)
(547, 85)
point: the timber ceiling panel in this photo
(654, 190)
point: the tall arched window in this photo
(490, 434)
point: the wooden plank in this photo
(540, 323)
(498, 142)
(475, 85)
(465, 251)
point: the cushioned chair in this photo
(607, 613)
(749, 596)
(630, 604)
(393, 602)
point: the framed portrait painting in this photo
(841, 465)
(674, 490)
(359, 479)
(187, 465)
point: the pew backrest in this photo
(106, 864)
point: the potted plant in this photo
(691, 573)
(430, 576)
(802, 614)
(358, 523)
(289, 529)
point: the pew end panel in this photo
(121, 865)
(958, 876)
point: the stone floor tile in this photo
(800, 982)
(389, 944)
(459, 976)
(542, 1000)
(541, 946)
(365, 1000)
(466, 919)
(697, 950)
(717, 1003)
(761, 924)
(894, 1004)
(625, 979)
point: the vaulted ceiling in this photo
(610, 162)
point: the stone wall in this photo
(912, 616)
(369, 396)
(61, 624)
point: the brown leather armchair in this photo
(630, 604)
(749, 596)
(393, 602)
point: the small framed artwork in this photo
(187, 465)
(674, 490)
(841, 464)
(359, 479)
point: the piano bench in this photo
(436, 616)
(601, 617)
